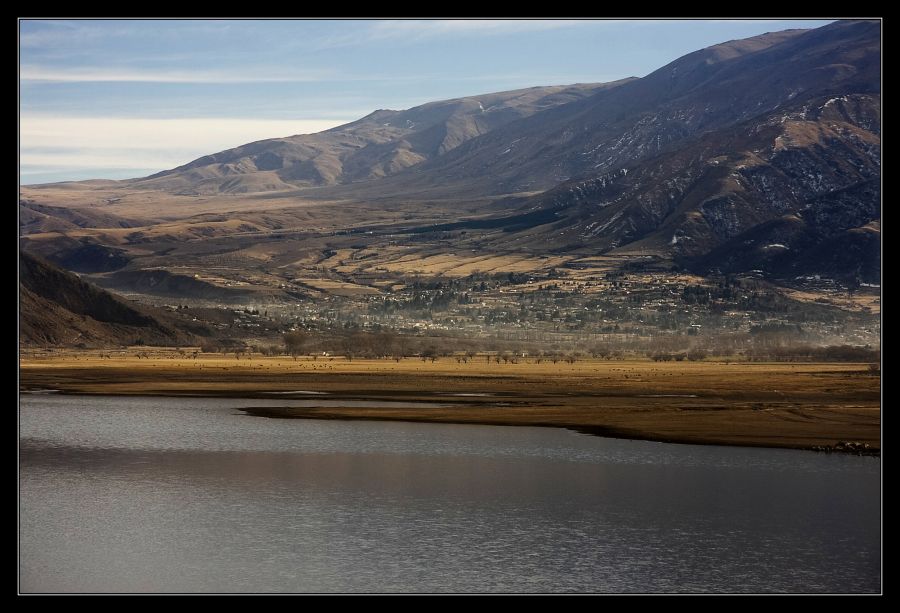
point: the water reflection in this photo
(146, 494)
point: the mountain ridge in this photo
(712, 148)
(615, 127)
(379, 144)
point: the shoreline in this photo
(799, 406)
(599, 431)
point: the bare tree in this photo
(294, 343)
(351, 346)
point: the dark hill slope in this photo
(58, 308)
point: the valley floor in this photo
(796, 405)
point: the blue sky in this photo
(119, 99)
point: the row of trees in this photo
(809, 353)
(693, 355)
(392, 345)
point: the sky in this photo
(126, 98)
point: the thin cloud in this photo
(427, 29)
(89, 74)
(416, 30)
(452, 27)
(69, 33)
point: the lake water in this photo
(192, 495)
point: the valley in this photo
(727, 204)
(335, 267)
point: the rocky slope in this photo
(761, 193)
(710, 90)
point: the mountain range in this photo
(757, 155)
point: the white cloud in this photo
(88, 74)
(83, 143)
(81, 159)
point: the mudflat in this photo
(796, 405)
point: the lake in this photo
(142, 494)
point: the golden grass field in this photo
(799, 405)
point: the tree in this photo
(209, 347)
(294, 342)
(696, 354)
(351, 346)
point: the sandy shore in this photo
(772, 405)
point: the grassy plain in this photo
(797, 405)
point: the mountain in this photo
(760, 154)
(704, 91)
(703, 155)
(808, 157)
(380, 144)
(58, 308)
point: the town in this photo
(613, 314)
